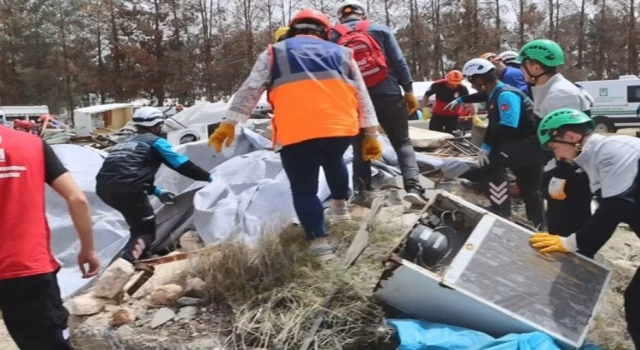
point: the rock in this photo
(122, 317)
(187, 313)
(191, 241)
(85, 305)
(196, 287)
(166, 295)
(125, 332)
(187, 301)
(162, 316)
(113, 280)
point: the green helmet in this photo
(544, 51)
(553, 121)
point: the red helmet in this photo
(23, 124)
(310, 15)
(454, 77)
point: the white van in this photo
(616, 102)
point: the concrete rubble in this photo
(162, 316)
(113, 280)
(166, 295)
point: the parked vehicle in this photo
(616, 102)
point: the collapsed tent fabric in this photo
(249, 196)
(422, 335)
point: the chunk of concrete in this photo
(196, 287)
(113, 280)
(85, 305)
(122, 316)
(191, 241)
(162, 316)
(166, 295)
(164, 274)
(187, 313)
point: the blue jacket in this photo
(399, 74)
(514, 77)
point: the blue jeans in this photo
(301, 163)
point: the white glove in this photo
(453, 104)
(483, 157)
(556, 189)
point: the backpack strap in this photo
(363, 25)
(341, 29)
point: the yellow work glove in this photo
(410, 102)
(546, 243)
(371, 149)
(224, 132)
(556, 189)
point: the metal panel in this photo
(557, 292)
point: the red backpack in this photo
(366, 51)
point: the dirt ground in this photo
(5, 340)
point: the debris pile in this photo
(455, 147)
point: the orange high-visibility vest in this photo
(312, 91)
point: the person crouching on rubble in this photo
(611, 164)
(281, 34)
(320, 103)
(510, 142)
(29, 292)
(127, 174)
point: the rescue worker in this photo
(127, 174)
(510, 142)
(320, 104)
(281, 34)
(611, 164)
(3, 118)
(386, 73)
(509, 59)
(24, 125)
(565, 185)
(446, 90)
(29, 293)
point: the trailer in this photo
(616, 102)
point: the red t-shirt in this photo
(26, 164)
(445, 95)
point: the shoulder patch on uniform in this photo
(504, 107)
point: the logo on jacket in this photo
(504, 107)
(456, 95)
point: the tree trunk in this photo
(632, 44)
(601, 47)
(581, 34)
(552, 24)
(498, 27)
(115, 54)
(521, 41)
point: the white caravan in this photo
(616, 102)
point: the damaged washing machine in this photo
(463, 266)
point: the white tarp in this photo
(250, 193)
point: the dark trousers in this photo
(567, 216)
(528, 179)
(632, 308)
(443, 123)
(392, 117)
(301, 163)
(139, 214)
(33, 312)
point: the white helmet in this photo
(148, 117)
(508, 56)
(357, 5)
(477, 66)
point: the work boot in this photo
(321, 248)
(415, 196)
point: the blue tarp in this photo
(421, 335)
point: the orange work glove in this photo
(371, 149)
(410, 102)
(224, 132)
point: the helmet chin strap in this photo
(532, 78)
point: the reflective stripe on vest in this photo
(312, 91)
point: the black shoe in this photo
(415, 196)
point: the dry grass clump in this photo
(270, 295)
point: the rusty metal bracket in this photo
(147, 272)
